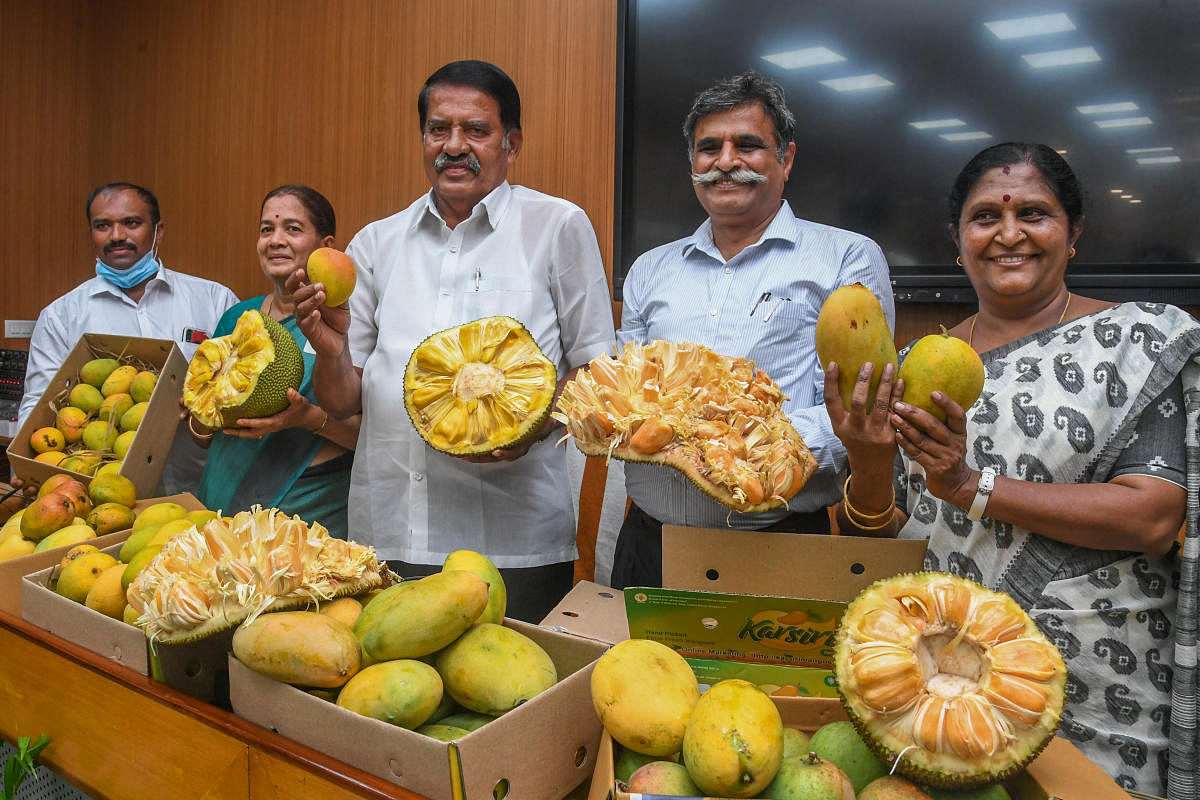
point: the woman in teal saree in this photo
(299, 459)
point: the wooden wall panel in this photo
(211, 103)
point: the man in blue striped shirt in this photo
(749, 282)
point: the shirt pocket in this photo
(500, 295)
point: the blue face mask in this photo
(127, 278)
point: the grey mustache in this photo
(739, 175)
(443, 160)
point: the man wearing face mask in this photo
(133, 294)
(749, 282)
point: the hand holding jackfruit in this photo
(716, 419)
(245, 374)
(478, 387)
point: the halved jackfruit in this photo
(717, 419)
(950, 677)
(478, 387)
(212, 578)
(245, 374)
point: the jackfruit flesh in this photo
(245, 374)
(478, 387)
(950, 677)
(717, 419)
(229, 571)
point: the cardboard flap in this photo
(592, 611)
(756, 562)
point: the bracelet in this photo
(204, 437)
(983, 492)
(878, 527)
(886, 514)
(324, 422)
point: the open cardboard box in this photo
(540, 750)
(1060, 771)
(147, 455)
(197, 669)
(12, 570)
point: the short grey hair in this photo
(748, 87)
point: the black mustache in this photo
(469, 161)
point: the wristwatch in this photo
(983, 491)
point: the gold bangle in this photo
(853, 512)
(204, 437)
(324, 422)
(878, 527)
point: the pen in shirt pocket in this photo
(762, 298)
(778, 302)
(478, 275)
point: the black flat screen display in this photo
(1113, 84)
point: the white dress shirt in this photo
(522, 254)
(762, 304)
(173, 303)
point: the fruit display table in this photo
(117, 734)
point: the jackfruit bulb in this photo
(245, 374)
(478, 387)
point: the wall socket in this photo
(18, 328)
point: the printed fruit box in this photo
(197, 669)
(540, 750)
(1060, 771)
(147, 454)
(14, 569)
(761, 606)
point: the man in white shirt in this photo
(133, 294)
(474, 246)
(749, 282)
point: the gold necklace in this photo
(974, 319)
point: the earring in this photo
(958, 260)
(1071, 254)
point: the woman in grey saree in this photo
(1089, 421)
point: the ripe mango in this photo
(482, 566)
(136, 564)
(15, 547)
(83, 463)
(344, 609)
(106, 594)
(96, 371)
(71, 534)
(299, 647)
(100, 435)
(46, 515)
(403, 692)
(114, 407)
(416, 618)
(51, 457)
(733, 745)
(852, 330)
(119, 381)
(644, 693)
(76, 577)
(132, 418)
(492, 669)
(663, 778)
(85, 397)
(112, 489)
(142, 386)
(77, 493)
(45, 439)
(159, 513)
(137, 540)
(70, 421)
(941, 362)
(335, 270)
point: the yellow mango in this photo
(644, 693)
(76, 577)
(940, 362)
(403, 692)
(299, 647)
(344, 609)
(15, 547)
(492, 669)
(416, 618)
(733, 745)
(106, 594)
(852, 330)
(482, 566)
(71, 534)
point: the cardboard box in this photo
(197, 669)
(591, 610)
(761, 606)
(147, 455)
(1060, 771)
(540, 750)
(14, 569)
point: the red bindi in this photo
(1007, 197)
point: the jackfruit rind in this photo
(231, 570)
(719, 420)
(478, 387)
(245, 374)
(952, 678)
